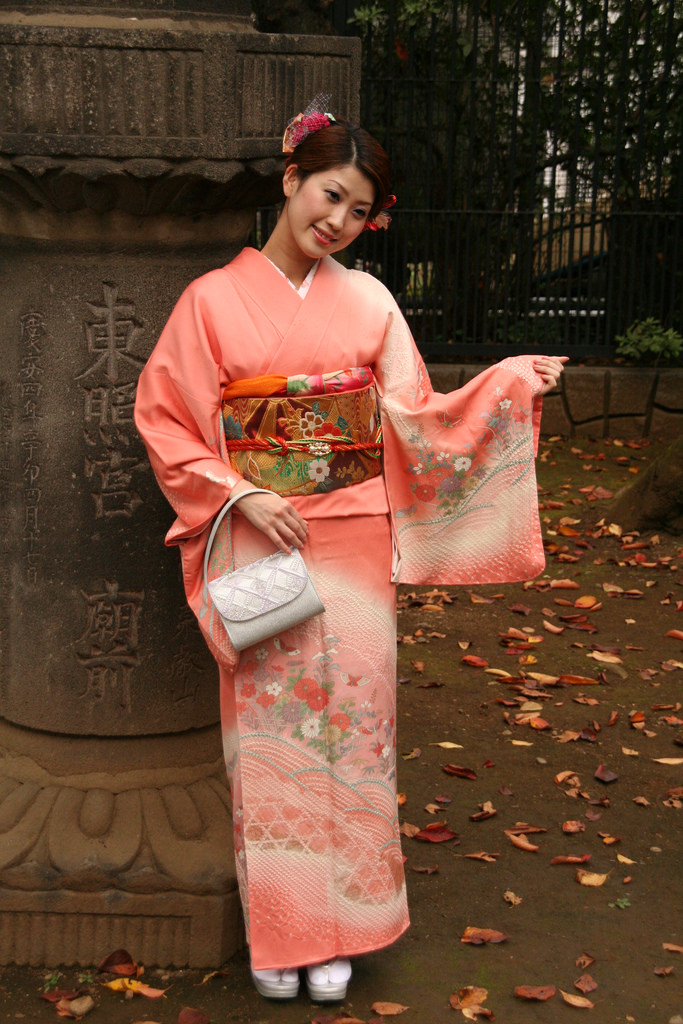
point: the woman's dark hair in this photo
(345, 143)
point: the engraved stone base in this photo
(82, 928)
(109, 843)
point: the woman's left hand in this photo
(550, 369)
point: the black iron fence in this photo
(537, 148)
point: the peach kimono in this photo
(309, 716)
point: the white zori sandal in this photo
(328, 982)
(277, 984)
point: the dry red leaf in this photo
(571, 680)
(119, 962)
(585, 984)
(540, 993)
(460, 773)
(189, 1016)
(663, 971)
(437, 832)
(479, 936)
(571, 827)
(388, 1009)
(474, 661)
(584, 960)
(56, 995)
(605, 774)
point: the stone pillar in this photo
(136, 140)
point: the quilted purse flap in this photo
(259, 587)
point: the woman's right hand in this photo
(273, 515)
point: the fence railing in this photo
(538, 159)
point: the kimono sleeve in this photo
(178, 415)
(460, 468)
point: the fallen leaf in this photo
(388, 1009)
(571, 827)
(625, 860)
(584, 960)
(460, 773)
(590, 878)
(672, 947)
(663, 971)
(490, 858)
(425, 871)
(487, 811)
(641, 800)
(606, 658)
(571, 680)
(418, 666)
(119, 962)
(585, 984)
(606, 775)
(538, 992)
(579, 1001)
(469, 1000)
(56, 995)
(447, 745)
(415, 752)
(437, 832)
(409, 830)
(511, 898)
(131, 985)
(521, 842)
(189, 1016)
(474, 661)
(668, 760)
(629, 752)
(572, 858)
(479, 936)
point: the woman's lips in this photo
(322, 236)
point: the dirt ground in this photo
(608, 694)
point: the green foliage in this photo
(648, 341)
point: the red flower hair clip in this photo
(311, 120)
(383, 219)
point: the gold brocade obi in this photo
(315, 434)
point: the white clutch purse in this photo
(263, 598)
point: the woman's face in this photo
(325, 211)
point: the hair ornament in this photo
(311, 120)
(383, 219)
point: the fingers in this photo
(549, 368)
(276, 518)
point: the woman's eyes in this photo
(335, 197)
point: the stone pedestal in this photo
(136, 140)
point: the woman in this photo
(287, 345)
